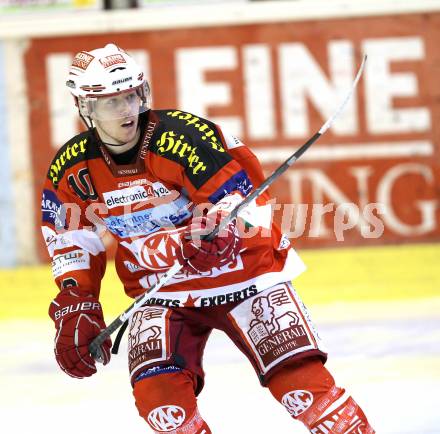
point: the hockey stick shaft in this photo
(95, 345)
(291, 160)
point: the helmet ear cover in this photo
(75, 100)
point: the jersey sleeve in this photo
(232, 168)
(247, 160)
(76, 250)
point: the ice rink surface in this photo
(386, 353)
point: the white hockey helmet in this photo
(107, 72)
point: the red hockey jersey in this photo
(182, 161)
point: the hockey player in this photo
(156, 180)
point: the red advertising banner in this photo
(373, 178)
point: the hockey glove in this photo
(78, 320)
(197, 256)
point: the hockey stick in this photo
(95, 345)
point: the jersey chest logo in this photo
(140, 190)
(158, 252)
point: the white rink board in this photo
(206, 15)
(391, 367)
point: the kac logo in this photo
(166, 418)
(297, 401)
(159, 250)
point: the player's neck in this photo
(115, 147)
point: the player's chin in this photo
(126, 134)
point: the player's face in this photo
(117, 116)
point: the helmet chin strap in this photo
(112, 144)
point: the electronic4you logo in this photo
(127, 196)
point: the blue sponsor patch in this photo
(157, 370)
(148, 221)
(50, 207)
(239, 182)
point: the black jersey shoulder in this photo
(191, 141)
(82, 147)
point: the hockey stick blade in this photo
(95, 345)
